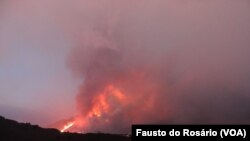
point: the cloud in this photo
(177, 62)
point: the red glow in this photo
(67, 126)
(105, 103)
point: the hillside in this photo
(13, 131)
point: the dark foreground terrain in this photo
(13, 131)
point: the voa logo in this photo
(232, 132)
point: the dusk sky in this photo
(33, 74)
(56, 56)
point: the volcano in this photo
(11, 130)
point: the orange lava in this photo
(67, 126)
(105, 103)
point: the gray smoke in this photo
(178, 61)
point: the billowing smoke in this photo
(117, 89)
(161, 62)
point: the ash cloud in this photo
(176, 61)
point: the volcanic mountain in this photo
(13, 131)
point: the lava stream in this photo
(67, 126)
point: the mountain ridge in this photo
(11, 130)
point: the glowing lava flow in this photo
(67, 126)
(104, 105)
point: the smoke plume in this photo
(162, 62)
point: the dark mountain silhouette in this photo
(13, 131)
